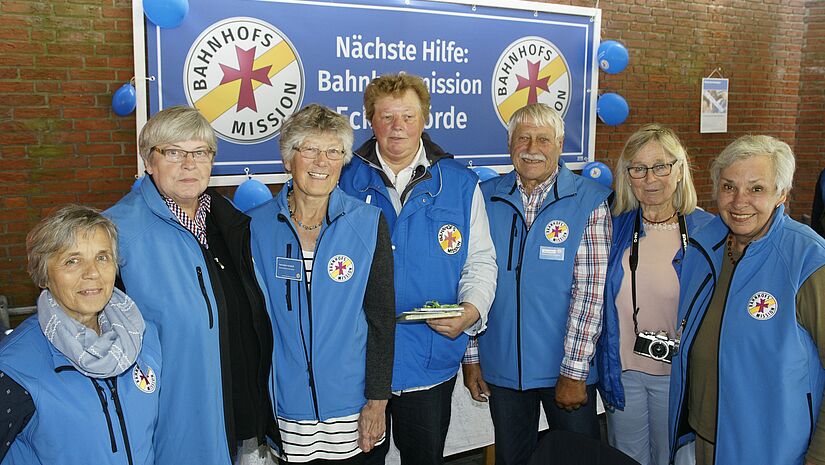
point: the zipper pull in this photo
(219, 263)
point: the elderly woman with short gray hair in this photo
(188, 264)
(81, 378)
(748, 379)
(327, 263)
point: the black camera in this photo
(657, 346)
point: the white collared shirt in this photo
(401, 180)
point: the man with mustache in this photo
(551, 229)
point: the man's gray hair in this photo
(541, 114)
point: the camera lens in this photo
(658, 349)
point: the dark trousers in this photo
(419, 421)
(516, 420)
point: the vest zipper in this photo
(205, 295)
(513, 233)
(718, 346)
(288, 282)
(307, 351)
(683, 374)
(105, 405)
(112, 383)
(518, 287)
(707, 279)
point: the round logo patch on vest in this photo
(146, 382)
(340, 268)
(556, 231)
(449, 238)
(762, 306)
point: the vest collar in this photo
(565, 186)
(335, 206)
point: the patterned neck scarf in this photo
(97, 356)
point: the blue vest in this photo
(770, 377)
(523, 345)
(70, 426)
(608, 360)
(430, 238)
(164, 272)
(320, 343)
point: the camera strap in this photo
(634, 258)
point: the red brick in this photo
(8, 7)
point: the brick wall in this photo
(810, 136)
(60, 62)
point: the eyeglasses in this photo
(177, 155)
(311, 153)
(660, 170)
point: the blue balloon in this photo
(613, 57)
(166, 13)
(598, 172)
(250, 194)
(124, 100)
(484, 173)
(612, 109)
(137, 183)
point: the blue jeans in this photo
(516, 420)
(419, 421)
(641, 430)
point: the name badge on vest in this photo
(289, 268)
(551, 253)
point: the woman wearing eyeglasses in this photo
(654, 213)
(187, 263)
(326, 260)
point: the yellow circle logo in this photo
(762, 306)
(449, 238)
(146, 382)
(340, 268)
(245, 77)
(530, 70)
(556, 231)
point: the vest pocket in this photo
(810, 417)
(205, 295)
(446, 353)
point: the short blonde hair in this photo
(60, 230)
(312, 120)
(684, 199)
(172, 125)
(396, 85)
(779, 153)
(541, 114)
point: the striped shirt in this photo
(307, 440)
(584, 322)
(196, 226)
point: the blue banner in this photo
(249, 64)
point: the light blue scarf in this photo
(97, 356)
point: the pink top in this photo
(657, 295)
